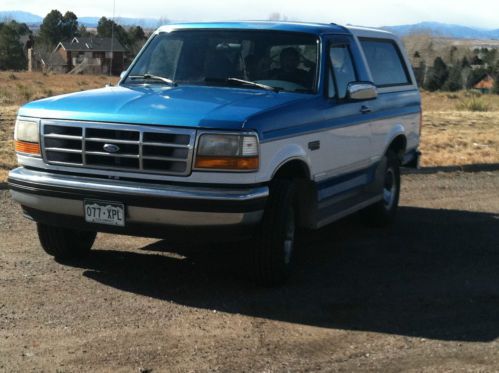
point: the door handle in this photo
(364, 109)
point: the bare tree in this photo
(163, 21)
(276, 16)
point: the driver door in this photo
(348, 138)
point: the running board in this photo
(350, 210)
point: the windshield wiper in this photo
(254, 84)
(243, 82)
(154, 77)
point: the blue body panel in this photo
(318, 114)
(273, 115)
(185, 106)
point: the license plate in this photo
(104, 212)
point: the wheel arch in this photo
(397, 142)
(297, 170)
(292, 168)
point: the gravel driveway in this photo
(422, 295)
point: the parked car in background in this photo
(225, 130)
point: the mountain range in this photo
(444, 30)
(435, 28)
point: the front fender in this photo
(279, 154)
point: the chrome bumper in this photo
(146, 203)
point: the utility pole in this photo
(112, 41)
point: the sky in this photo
(478, 13)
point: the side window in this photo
(385, 62)
(343, 70)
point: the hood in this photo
(185, 106)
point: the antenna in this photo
(112, 41)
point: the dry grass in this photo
(450, 136)
(460, 137)
(451, 101)
(17, 88)
(7, 156)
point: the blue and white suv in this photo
(225, 130)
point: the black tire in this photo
(272, 253)
(383, 213)
(63, 243)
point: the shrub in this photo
(25, 92)
(47, 92)
(473, 103)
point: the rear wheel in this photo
(383, 212)
(64, 243)
(273, 252)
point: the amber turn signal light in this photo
(227, 163)
(27, 147)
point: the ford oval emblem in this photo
(111, 148)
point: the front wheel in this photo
(273, 250)
(64, 243)
(383, 212)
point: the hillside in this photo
(20, 16)
(444, 30)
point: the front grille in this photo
(135, 148)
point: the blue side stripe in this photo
(350, 120)
(345, 183)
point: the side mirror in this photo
(360, 91)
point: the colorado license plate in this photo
(104, 212)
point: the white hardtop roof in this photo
(370, 32)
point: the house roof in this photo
(92, 44)
(487, 82)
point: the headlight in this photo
(27, 137)
(227, 152)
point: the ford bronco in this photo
(225, 130)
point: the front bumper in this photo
(151, 209)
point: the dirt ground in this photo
(420, 296)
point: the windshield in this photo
(281, 60)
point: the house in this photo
(95, 55)
(486, 84)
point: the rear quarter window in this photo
(385, 62)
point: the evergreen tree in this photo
(51, 28)
(454, 81)
(12, 55)
(107, 27)
(69, 25)
(136, 34)
(137, 38)
(83, 32)
(437, 75)
(495, 88)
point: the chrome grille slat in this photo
(164, 145)
(102, 154)
(67, 137)
(63, 150)
(163, 158)
(168, 150)
(94, 139)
